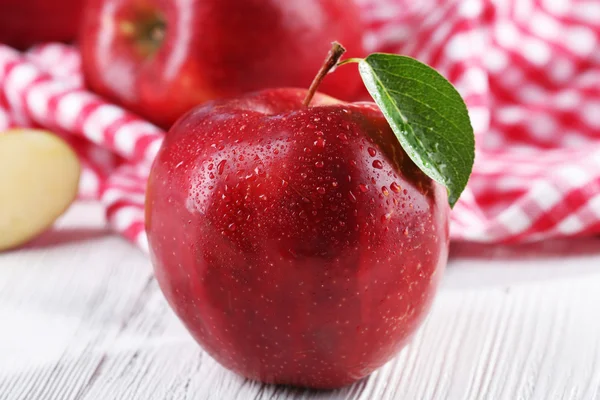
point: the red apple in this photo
(160, 58)
(299, 245)
(27, 22)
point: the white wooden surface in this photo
(82, 318)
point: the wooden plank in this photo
(82, 318)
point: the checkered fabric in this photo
(529, 71)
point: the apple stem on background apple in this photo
(336, 52)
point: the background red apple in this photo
(299, 245)
(27, 22)
(160, 58)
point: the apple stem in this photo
(336, 52)
(157, 33)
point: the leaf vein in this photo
(408, 78)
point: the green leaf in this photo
(427, 115)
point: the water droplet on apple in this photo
(377, 164)
(363, 188)
(342, 137)
(221, 166)
(220, 147)
(321, 190)
(352, 196)
(385, 191)
(319, 164)
(334, 184)
(231, 227)
(395, 187)
(303, 175)
(284, 183)
(320, 143)
(372, 152)
(210, 166)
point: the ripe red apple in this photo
(27, 22)
(299, 245)
(160, 58)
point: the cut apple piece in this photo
(39, 176)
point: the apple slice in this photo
(39, 176)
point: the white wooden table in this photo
(82, 318)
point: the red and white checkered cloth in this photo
(528, 69)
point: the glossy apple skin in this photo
(298, 245)
(27, 22)
(213, 49)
